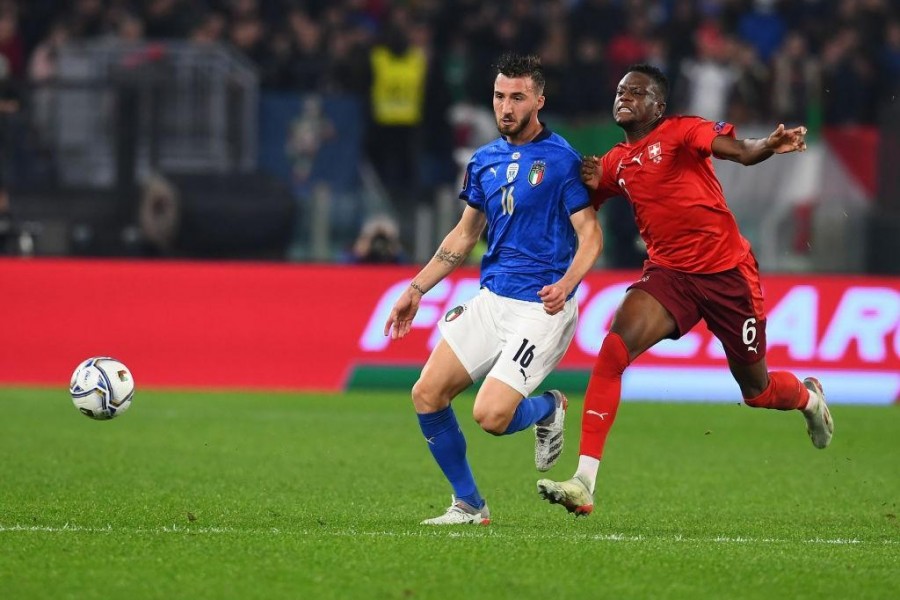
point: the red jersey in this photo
(678, 202)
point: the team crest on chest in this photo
(654, 151)
(536, 174)
(512, 171)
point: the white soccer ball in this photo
(102, 388)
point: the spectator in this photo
(763, 28)
(308, 132)
(159, 214)
(587, 86)
(9, 106)
(848, 80)
(399, 73)
(456, 68)
(308, 64)
(378, 243)
(128, 28)
(87, 19)
(42, 63)
(436, 164)
(657, 53)
(750, 95)
(555, 59)
(346, 69)
(208, 28)
(12, 48)
(707, 80)
(629, 46)
(679, 32)
(597, 18)
(248, 36)
(166, 19)
(797, 80)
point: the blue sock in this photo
(530, 411)
(448, 447)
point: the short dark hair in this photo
(654, 73)
(516, 65)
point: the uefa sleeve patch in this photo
(718, 127)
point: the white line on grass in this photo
(475, 533)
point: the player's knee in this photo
(613, 358)
(427, 398)
(490, 419)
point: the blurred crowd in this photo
(416, 63)
(742, 60)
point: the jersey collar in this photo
(543, 135)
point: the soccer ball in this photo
(102, 388)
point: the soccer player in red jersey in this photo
(699, 266)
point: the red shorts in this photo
(730, 302)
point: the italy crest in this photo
(536, 173)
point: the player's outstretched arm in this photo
(590, 244)
(753, 151)
(452, 252)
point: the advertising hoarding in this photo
(310, 327)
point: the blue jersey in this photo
(527, 193)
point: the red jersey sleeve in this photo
(700, 133)
(608, 187)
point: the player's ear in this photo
(660, 108)
(540, 102)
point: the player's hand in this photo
(591, 171)
(553, 297)
(782, 141)
(402, 315)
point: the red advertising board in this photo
(306, 327)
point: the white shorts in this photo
(511, 340)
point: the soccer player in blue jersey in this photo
(542, 238)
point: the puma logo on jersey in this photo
(623, 164)
(493, 171)
(524, 376)
(754, 349)
(597, 414)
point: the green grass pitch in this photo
(250, 495)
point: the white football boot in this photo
(548, 436)
(574, 494)
(461, 513)
(819, 424)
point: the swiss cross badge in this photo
(536, 174)
(655, 152)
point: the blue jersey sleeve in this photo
(575, 194)
(471, 188)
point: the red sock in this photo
(604, 391)
(784, 392)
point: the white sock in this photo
(812, 403)
(587, 470)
